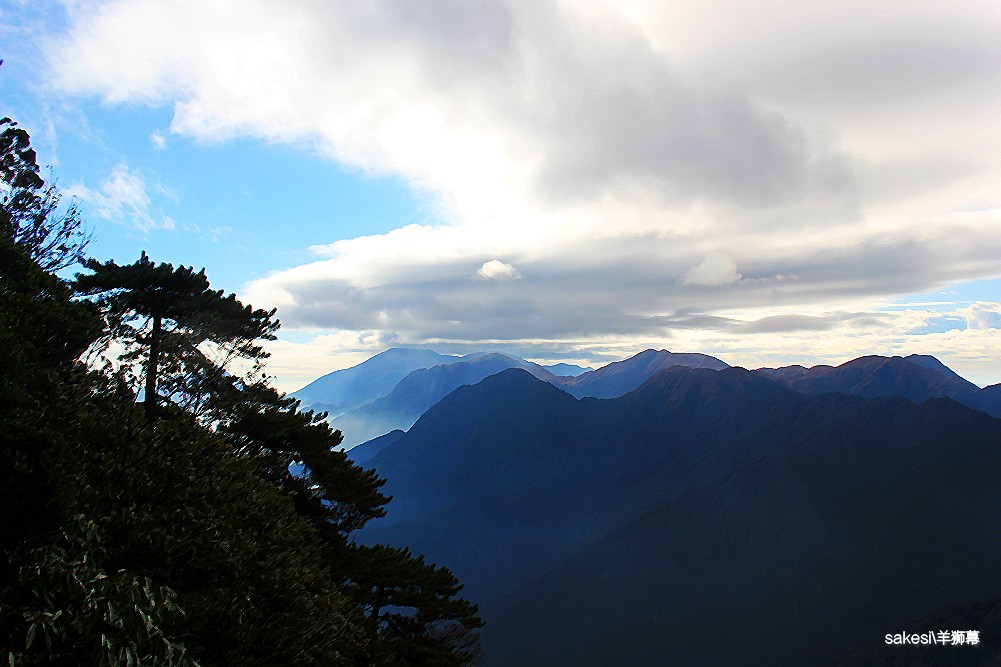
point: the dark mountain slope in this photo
(989, 400)
(984, 617)
(526, 467)
(822, 544)
(702, 502)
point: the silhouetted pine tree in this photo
(129, 539)
(171, 320)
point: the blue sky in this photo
(236, 207)
(770, 182)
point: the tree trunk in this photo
(377, 606)
(151, 368)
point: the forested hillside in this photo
(147, 511)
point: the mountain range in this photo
(392, 389)
(419, 390)
(696, 519)
(620, 377)
(915, 377)
(669, 508)
(348, 388)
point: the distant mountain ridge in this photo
(421, 389)
(363, 452)
(565, 370)
(620, 377)
(916, 378)
(342, 390)
(381, 395)
(392, 389)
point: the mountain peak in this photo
(932, 363)
(915, 378)
(403, 352)
(620, 377)
(515, 379)
(342, 390)
(493, 356)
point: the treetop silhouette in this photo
(184, 333)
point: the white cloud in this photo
(158, 140)
(715, 269)
(475, 104)
(627, 157)
(497, 270)
(788, 336)
(220, 232)
(983, 315)
(297, 363)
(626, 284)
(122, 197)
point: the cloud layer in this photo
(122, 197)
(636, 170)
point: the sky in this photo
(767, 181)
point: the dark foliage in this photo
(30, 209)
(176, 534)
(412, 605)
(182, 331)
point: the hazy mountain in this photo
(707, 517)
(348, 388)
(363, 452)
(565, 370)
(619, 377)
(421, 389)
